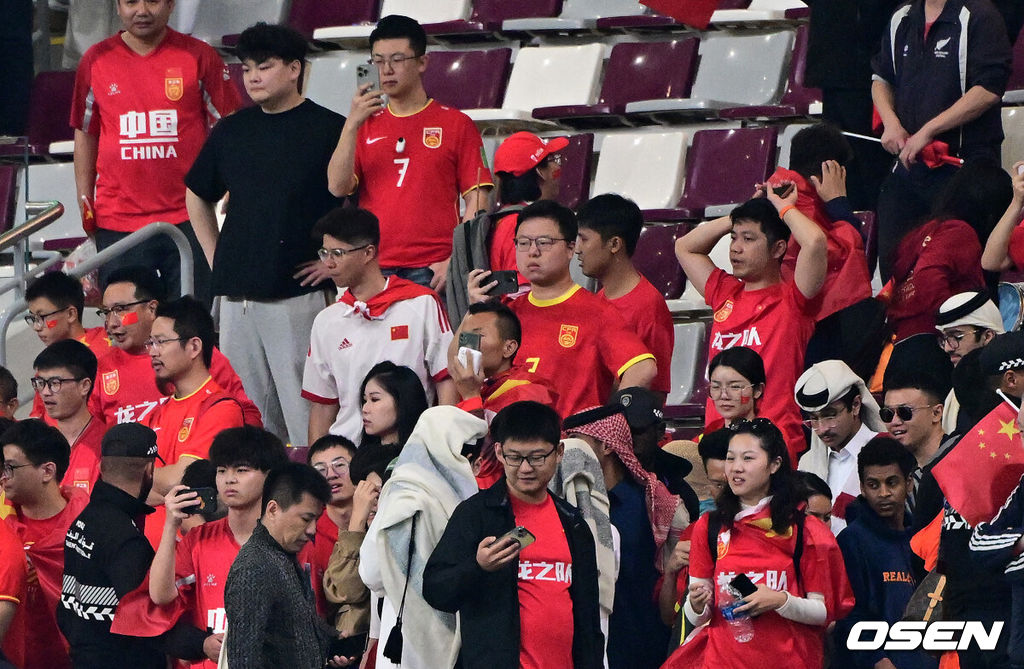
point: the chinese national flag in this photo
(984, 467)
(694, 13)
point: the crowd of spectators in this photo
(501, 490)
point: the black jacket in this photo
(488, 602)
(106, 556)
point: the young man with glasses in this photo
(576, 341)
(127, 389)
(330, 455)
(56, 305)
(35, 460)
(376, 318)
(272, 158)
(521, 604)
(180, 348)
(842, 416)
(409, 158)
(65, 373)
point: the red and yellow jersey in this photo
(578, 343)
(152, 114)
(13, 575)
(84, 465)
(646, 313)
(412, 170)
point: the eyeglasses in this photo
(38, 319)
(8, 469)
(822, 421)
(952, 341)
(158, 344)
(338, 465)
(118, 310)
(717, 390)
(54, 383)
(394, 60)
(903, 411)
(543, 243)
(535, 459)
(337, 254)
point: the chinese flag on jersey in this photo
(993, 456)
(694, 13)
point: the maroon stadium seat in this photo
(655, 258)
(298, 453)
(869, 232)
(635, 71)
(235, 70)
(722, 167)
(8, 195)
(308, 15)
(49, 111)
(574, 184)
(468, 79)
(488, 15)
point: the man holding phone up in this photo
(518, 563)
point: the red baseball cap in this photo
(522, 151)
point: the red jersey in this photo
(412, 170)
(751, 547)
(43, 542)
(578, 343)
(126, 390)
(777, 322)
(84, 466)
(13, 573)
(1016, 250)
(645, 312)
(502, 251)
(545, 574)
(152, 114)
(202, 561)
(185, 428)
(323, 546)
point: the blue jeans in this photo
(420, 275)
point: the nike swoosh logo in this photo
(374, 140)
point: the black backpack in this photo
(715, 526)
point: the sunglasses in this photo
(903, 411)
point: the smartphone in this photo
(743, 585)
(783, 191)
(367, 73)
(207, 501)
(470, 340)
(350, 646)
(508, 282)
(524, 536)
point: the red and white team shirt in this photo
(544, 576)
(348, 339)
(201, 564)
(645, 312)
(412, 170)
(126, 390)
(579, 343)
(152, 114)
(84, 465)
(777, 322)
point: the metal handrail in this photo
(43, 214)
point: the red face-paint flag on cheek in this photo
(51, 324)
(130, 318)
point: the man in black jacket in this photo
(530, 598)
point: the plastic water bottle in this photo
(740, 624)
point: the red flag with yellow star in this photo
(984, 467)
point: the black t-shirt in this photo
(275, 168)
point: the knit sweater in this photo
(272, 621)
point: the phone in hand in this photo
(743, 585)
(470, 340)
(523, 536)
(508, 282)
(350, 646)
(207, 501)
(367, 73)
(783, 190)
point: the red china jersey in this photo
(502, 250)
(545, 574)
(201, 564)
(323, 546)
(151, 114)
(645, 312)
(84, 465)
(777, 322)
(13, 575)
(412, 170)
(578, 343)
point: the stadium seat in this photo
(434, 11)
(577, 158)
(576, 15)
(298, 453)
(52, 181)
(539, 80)
(468, 79)
(869, 232)
(655, 258)
(645, 166)
(215, 19)
(1013, 130)
(332, 79)
(49, 110)
(488, 16)
(8, 195)
(1014, 94)
(736, 69)
(689, 363)
(238, 79)
(308, 15)
(722, 167)
(760, 12)
(798, 100)
(635, 71)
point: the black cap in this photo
(640, 408)
(1004, 352)
(130, 440)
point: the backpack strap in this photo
(214, 400)
(715, 526)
